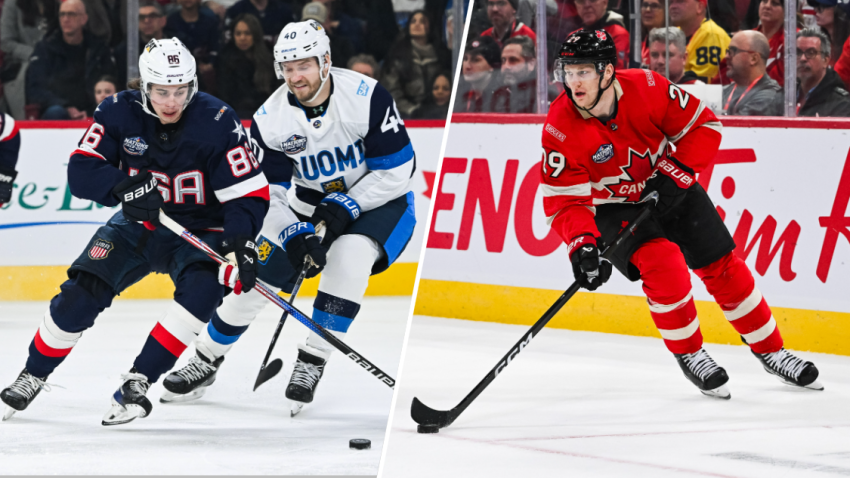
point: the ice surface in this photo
(231, 430)
(584, 404)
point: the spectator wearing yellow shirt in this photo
(707, 42)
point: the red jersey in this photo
(587, 163)
(517, 29)
(775, 66)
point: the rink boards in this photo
(45, 228)
(782, 186)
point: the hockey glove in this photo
(672, 180)
(337, 211)
(244, 252)
(7, 180)
(299, 241)
(140, 199)
(590, 270)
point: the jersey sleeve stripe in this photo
(690, 123)
(391, 161)
(252, 187)
(715, 125)
(286, 185)
(10, 128)
(86, 151)
(576, 190)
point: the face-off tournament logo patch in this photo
(604, 153)
(294, 145)
(135, 146)
(100, 249)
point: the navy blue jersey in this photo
(207, 172)
(10, 142)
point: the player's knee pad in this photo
(728, 280)
(81, 299)
(663, 271)
(350, 261)
(198, 290)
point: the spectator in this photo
(678, 55)
(651, 17)
(832, 20)
(343, 25)
(151, 26)
(365, 64)
(752, 92)
(842, 64)
(273, 15)
(820, 91)
(105, 87)
(24, 23)
(246, 74)
(65, 66)
(380, 24)
(107, 20)
(708, 42)
(341, 48)
(596, 16)
(502, 15)
(413, 62)
(518, 93)
(772, 17)
(479, 76)
(436, 106)
(197, 28)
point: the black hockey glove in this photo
(246, 255)
(140, 199)
(7, 180)
(672, 180)
(299, 241)
(589, 269)
(337, 211)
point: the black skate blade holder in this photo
(431, 420)
(267, 372)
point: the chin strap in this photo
(322, 85)
(598, 96)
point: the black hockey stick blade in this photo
(268, 372)
(427, 416)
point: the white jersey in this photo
(358, 147)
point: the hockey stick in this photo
(269, 294)
(431, 420)
(267, 372)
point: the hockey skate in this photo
(790, 370)
(703, 372)
(129, 401)
(21, 393)
(190, 382)
(309, 368)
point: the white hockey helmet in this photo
(167, 62)
(299, 40)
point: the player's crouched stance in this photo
(335, 152)
(166, 146)
(613, 151)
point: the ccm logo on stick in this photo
(513, 353)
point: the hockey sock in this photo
(71, 312)
(343, 284)
(731, 283)
(229, 322)
(667, 285)
(197, 295)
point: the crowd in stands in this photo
(737, 44)
(60, 58)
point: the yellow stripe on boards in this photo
(42, 283)
(815, 331)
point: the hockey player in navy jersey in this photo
(164, 146)
(10, 144)
(334, 150)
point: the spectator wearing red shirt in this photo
(502, 14)
(772, 17)
(651, 17)
(596, 16)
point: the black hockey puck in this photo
(428, 429)
(359, 444)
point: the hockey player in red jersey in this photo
(609, 140)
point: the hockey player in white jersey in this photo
(334, 150)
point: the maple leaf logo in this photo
(628, 186)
